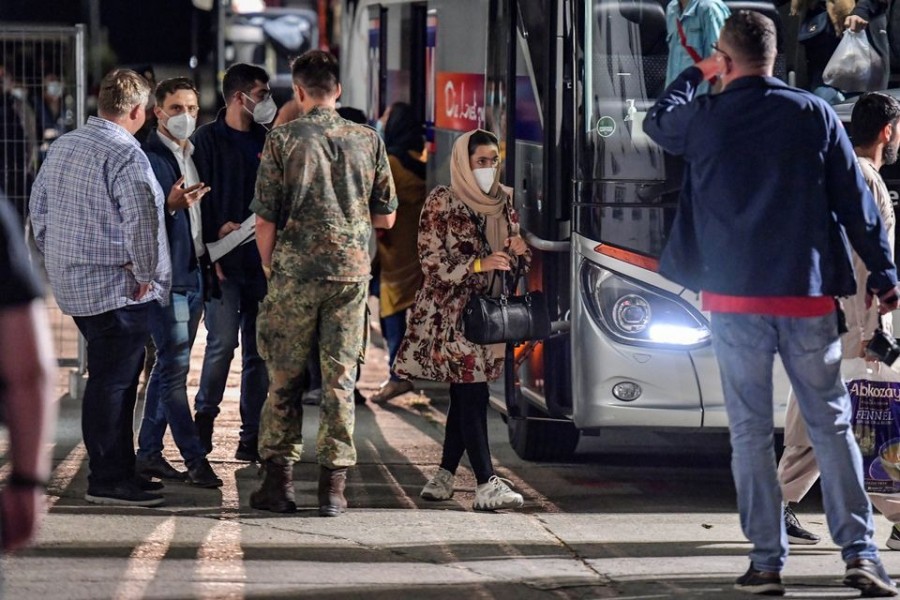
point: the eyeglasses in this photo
(260, 95)
(722, 52)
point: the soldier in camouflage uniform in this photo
(323, 183)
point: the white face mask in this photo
(264, 111)
(54, 89)
(180, 126)
(485, 178)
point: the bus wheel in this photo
(541, 440)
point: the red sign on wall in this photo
(459, 101)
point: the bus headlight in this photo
(640, 314)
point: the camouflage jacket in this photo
(320, 179)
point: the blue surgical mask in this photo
(379, 128)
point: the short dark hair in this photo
(871, 113)
(240, 77)
(752, 36)
(170, 86)
(317, 72)
(480, 137)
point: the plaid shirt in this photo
(97, 215)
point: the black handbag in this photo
(509, 318)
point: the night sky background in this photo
(139, 31)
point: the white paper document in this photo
(246, 233)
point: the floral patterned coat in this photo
(434, 346)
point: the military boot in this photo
(276, 494)
(331, 491)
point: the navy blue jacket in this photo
(772, 193)
(185, 267)
(222, 166)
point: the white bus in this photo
(565, 85)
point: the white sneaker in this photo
(496, 494)
(440, 487)
(894, 541)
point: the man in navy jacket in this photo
(174, 326)
(227, 157)
(772, 194)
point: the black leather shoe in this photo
(202, 475)
(125, 493)
(248, 451)
(158, 467)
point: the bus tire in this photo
(541, 440)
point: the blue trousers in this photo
(235, 312)
(174, 328)
(810, 350)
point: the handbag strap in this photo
(504, 290)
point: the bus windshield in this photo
(630, 185)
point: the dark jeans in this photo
(115, 354)
(174, 328)
(234, 312)
(393, 327)
(466, 430)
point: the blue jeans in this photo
(234, 312)
(810, 350)
(115, 355)
(393, 327)
(174, 328)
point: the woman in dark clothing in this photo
(400, 274)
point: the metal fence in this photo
(43, 77)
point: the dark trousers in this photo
(115, 354)
(466, 430)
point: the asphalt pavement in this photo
(642, 519)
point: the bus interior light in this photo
(639, 314)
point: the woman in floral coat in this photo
(466, 232)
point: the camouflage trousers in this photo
(292, 314)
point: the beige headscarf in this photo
(492, 206)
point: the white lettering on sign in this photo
(457, 106)
(868, 389)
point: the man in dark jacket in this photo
(226, 153)
(766, 241)
(174, 327)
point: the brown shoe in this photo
(391, 389)
(331, 491)
(276, 494)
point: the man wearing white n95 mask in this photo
(174, 327)
(226, 153)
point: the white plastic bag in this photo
(854, 65)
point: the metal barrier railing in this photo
(43, 86)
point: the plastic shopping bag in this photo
(875, 397)
(854, 65)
